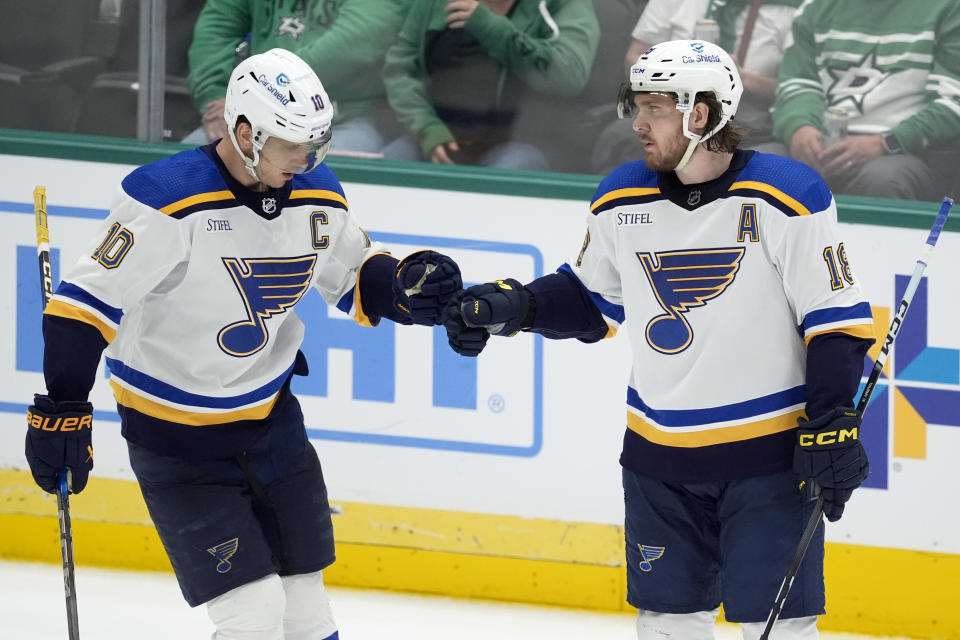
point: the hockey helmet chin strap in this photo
(685, 102)
(248, 164)
(691, 147)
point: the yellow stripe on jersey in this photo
(318, 193)
(611, 331)
(720, 435)
(66, 310)
(131, 400)
(773, 191)
(624, 193)
(857, 331)
(210, 196)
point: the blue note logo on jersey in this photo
(649, 554)
(682, 280)
(223, 552)
(268, 287)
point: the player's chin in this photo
(654, 161)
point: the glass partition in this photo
(516, 84)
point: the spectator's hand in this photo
(459, 11)
(806, 145)
(754, 83)
(850, 154)
(440, 155)
(213, 123)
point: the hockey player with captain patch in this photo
(191, 289)
(748, 332)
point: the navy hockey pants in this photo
(225, 523)
(691, 546)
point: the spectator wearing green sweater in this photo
(344, 41)
(893, 69)
(459, 70)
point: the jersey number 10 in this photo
(114, 247)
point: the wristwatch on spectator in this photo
(890, 144)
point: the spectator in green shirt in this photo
(460, 69)
(344, 41)
(891, 69)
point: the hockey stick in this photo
(817, 514)
(63, 485)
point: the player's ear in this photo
(244, 133)
(698, 117)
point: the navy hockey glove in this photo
(829, 455)
(503, 307)
(467, 341)
(59, 437)
(423, 284)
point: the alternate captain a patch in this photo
(268, 287)
(682, 280)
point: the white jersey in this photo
(723, 284)
(193, 283)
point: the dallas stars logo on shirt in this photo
(290, 26)
(268, 286)
(853, 83)
(682, 280)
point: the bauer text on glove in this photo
(59, 437)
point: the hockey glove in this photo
(423, 284)
(59, 437)
(503, 307)
(467, 341)
(829, 455)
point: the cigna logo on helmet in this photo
(284, 100)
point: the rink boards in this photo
(498, 478)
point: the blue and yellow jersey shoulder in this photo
(320, 187)
(630, 183)
(788, 185)
(179, 185)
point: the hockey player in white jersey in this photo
(748, 330)
(191, 288)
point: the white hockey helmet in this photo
(685, 68)
(281, 97)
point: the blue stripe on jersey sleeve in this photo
(160, 389)
(322, 177)
(790, 177)
(737, 411)
(72, 291)
(607, 308)
(631, 175)
(830, 315)
(173, 179)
